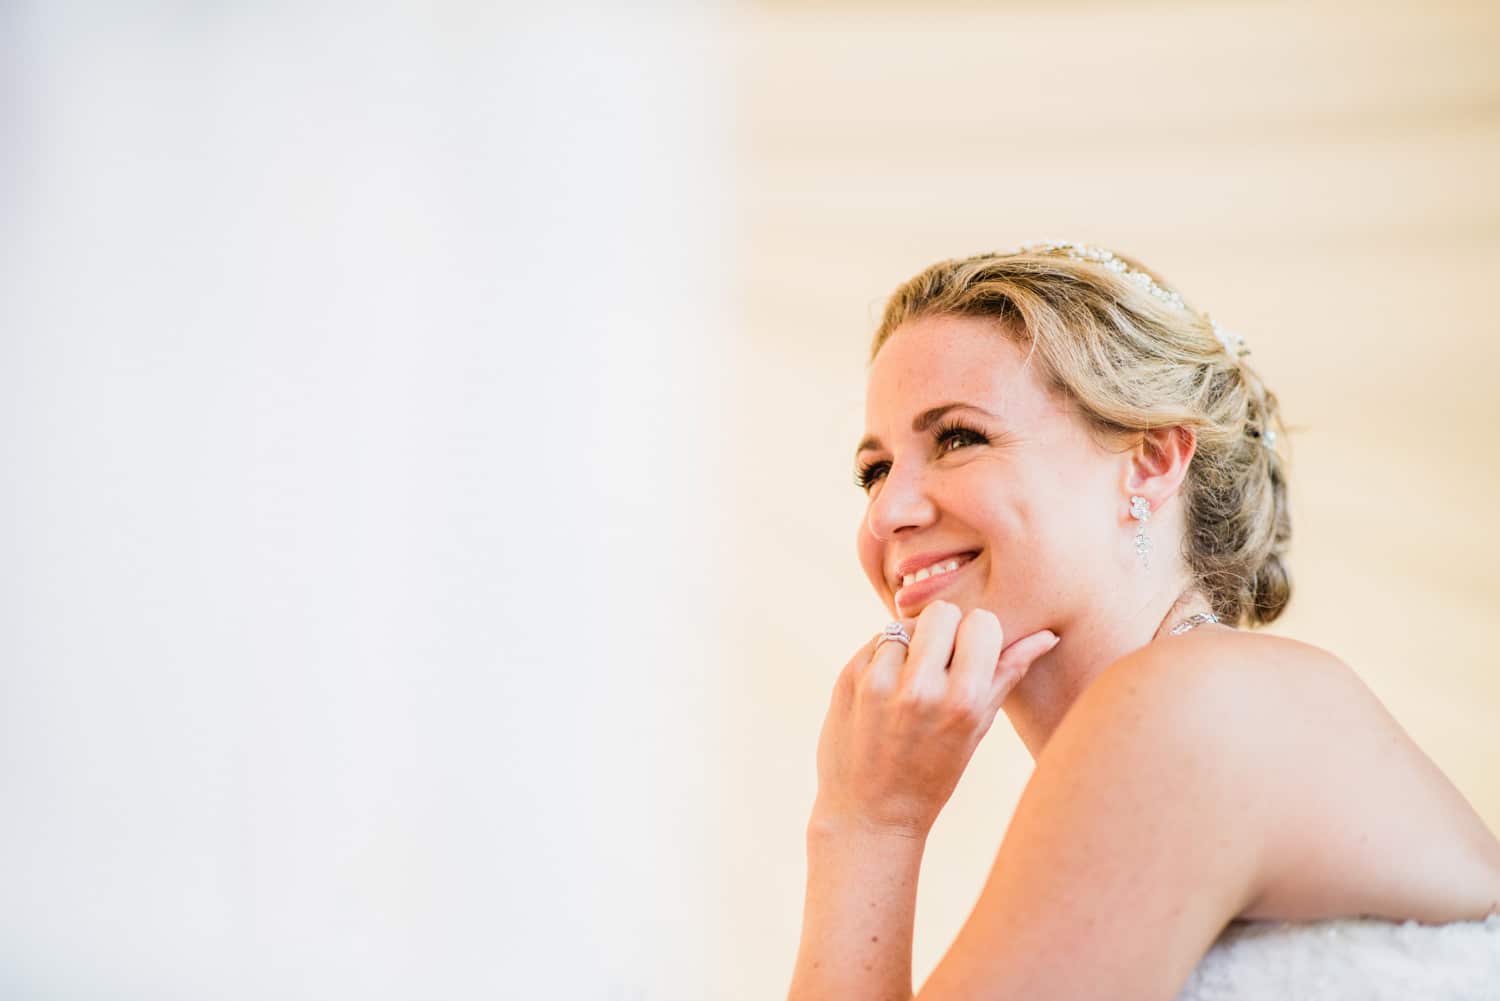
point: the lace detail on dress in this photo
(1350, 959)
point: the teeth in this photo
(937, 568)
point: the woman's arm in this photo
(901, 728)
(858, 916)
(1143, 831)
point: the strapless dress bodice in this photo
(1350, 959)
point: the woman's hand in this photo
(903, 723)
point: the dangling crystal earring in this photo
(1140, 509)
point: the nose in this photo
(901, 502)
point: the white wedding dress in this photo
(1350, 959)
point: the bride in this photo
(1078, 514)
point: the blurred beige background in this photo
(1320, 180)
(429, 464)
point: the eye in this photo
(947, 435)
(866, 475)
(961, 433)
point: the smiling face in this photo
(1016, 491)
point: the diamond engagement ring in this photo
(894, 631)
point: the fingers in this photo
(848, 678)
(953, 655)
(885, 664)
(1016, 660)
(931, 649)
(976, 656)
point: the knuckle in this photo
(875, 685)
(963, 711)
(915, 698)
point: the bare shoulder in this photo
(1356, 818)
(1225, 691)
(1211, 776)
(1135, 842)
(1220, 660)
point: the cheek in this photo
(869, 550)
(990, 508)
(1016, 528)
(1063, 537)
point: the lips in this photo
(914, 563)
(910, 597)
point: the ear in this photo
(1157, 465)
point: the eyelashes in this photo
(864, 476)
(867, 474)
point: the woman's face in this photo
(1007, 483)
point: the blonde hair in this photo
(1130, 362)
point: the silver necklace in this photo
(1192, 621)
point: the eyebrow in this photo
(925, 420)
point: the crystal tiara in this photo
(1234, 344)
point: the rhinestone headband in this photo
(1234, 344)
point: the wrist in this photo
(833, 825)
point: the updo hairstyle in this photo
(1128, 361)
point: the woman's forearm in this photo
(858, 916)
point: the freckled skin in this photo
(1049, 507)
(1041, 500)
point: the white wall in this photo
(360, 378)
(1320, 183)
